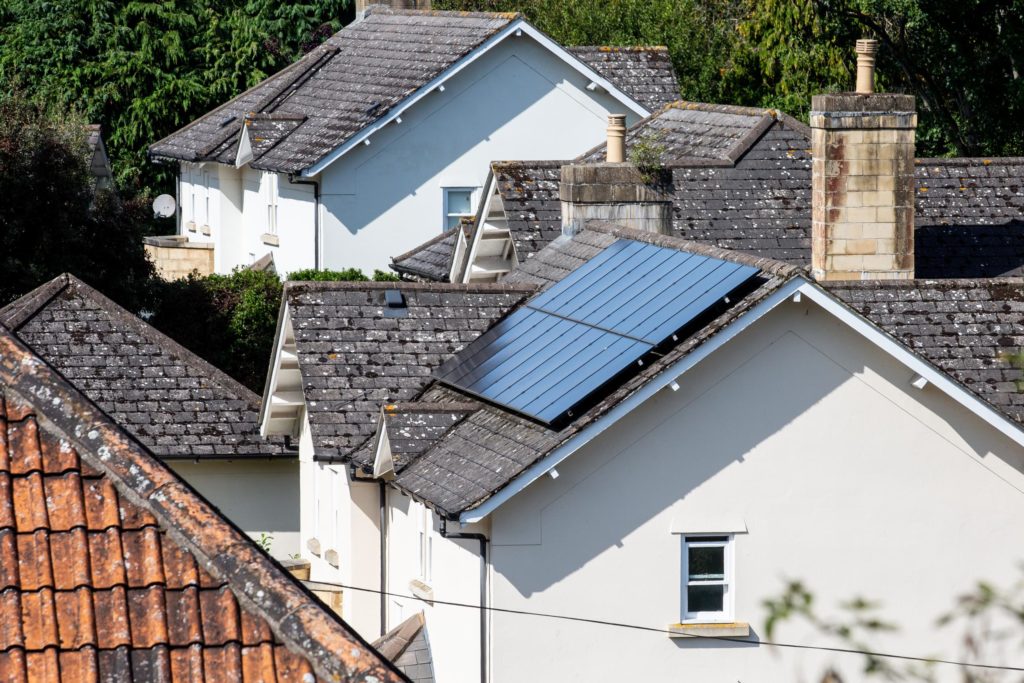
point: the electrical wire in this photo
(652, 629)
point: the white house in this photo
(606, 477)
(381, 135)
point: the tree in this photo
(230, 320)
(52, 218)
(144, 68)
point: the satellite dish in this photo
(163, 206)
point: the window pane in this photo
(705, 598)
(460, 202)
(707, 564)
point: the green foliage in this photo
(347, 275)
(230, 320)
(646, 152)
(144, 68)
(52, 220)
(265, 541)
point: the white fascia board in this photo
(656, 384)
(485, 207)
(520, 26)
(271, 385)
(819, 296)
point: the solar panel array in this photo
(569, 342)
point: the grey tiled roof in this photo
(529, 193)
(431, 260)
(968, 328)
(412, 429)
(408, 648)
(969, 212)
(353, 358)
(299, 115)
(172, 401)
(490, 447)
(644, 73)
(339, 88)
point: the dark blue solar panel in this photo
(570, 341)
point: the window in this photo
(458, 203)
(271, 203)
(426, 544)
(707, 579)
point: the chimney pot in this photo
(867, 48)
(616, 153)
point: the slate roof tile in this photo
(112, 569)
(644, 73)
(353, 358)
(174, 402)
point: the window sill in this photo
(272, 240)
(422, 591)
(732, 629)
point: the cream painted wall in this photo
(844, 475)
(260, 496)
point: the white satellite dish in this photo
(163, 206)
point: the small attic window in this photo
(394, 304)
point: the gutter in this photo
(484, 575)
(316, 216)
(383, 558)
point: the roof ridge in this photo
(161, 339)
(530, 163)
(27, 306)
(381, 9)
(949, 283)
(777, 268)
(967, 161)
(349, 285)
(257, 581)
(620, 48)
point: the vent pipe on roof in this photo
(616, 153)
(867, 48)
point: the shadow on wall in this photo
(969, 251)
(670, 450)
(429, 145)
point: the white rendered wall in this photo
(260, 496)
(454, 576)
(845, 476)
(516, 102)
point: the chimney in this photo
(863, 180)
(616, 147)
(616, 191)
(363, 5)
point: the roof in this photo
(299, 116)
(432, 260)
(99, 162)
(175, 403)
(973, 330)
(644, 73)
(354, 356)
(742, 180)
(407, 646)
(490, 447)
(112, 568)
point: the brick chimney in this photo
(863, 180)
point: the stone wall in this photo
(615, 192)
(175, 257)
(863, 186)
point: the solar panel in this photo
(563, 347)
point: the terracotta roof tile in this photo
(112, 569)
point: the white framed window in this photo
(458, 204)
(426, 544)
(708, 585)
(271, 191)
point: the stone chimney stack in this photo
(616, 193)
(363, 5)
(863, 180)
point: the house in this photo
(192, 416)
(740, 178)
(113, 568)
(381, 134)
(99, 162)
(655, 433)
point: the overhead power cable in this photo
(653, 629)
